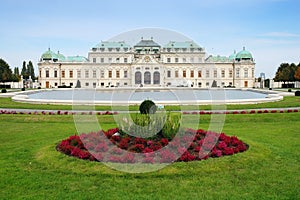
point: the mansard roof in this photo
(147, 43)
(112, 44)
(186, 44)
(217, 59)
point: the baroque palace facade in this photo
(146, 64)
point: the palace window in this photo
(223, 73)
(117, 60)
(168, 60)
(252, 72)
(47, 73)
(94, 60)
(125, 74)
(184, 60)
(207, 74)
(86, 73)
(87, 84)
(199, 74)
(109, 74)
(125, 60)
(169, 74)
(184, 73)
(55, 74)
(215, 73)
(176, 74)
(78, 74)
(192, 60)
(102, 74)
(238, 73)
(94, 73)
(118, 74)
(63, 74)
(102, 60)
(230, 73)
(176, 60)
(246, 73)
(192, 74)
(109, 60)
(71, 73)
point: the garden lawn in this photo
(31, 168)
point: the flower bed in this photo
(115, 146)
(58, 112)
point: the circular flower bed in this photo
(115, 146)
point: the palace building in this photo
(146, 64)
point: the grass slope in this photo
(32, 169)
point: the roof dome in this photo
(60, 56)
(232, 56)
(49, 55)
(244, 55)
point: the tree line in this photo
(7, 75)
(288, 73)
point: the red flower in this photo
(228, 151)
(164, 141)
(222, 145)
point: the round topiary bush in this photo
(289, 90)
(3, 90)
(297, 93)
(23, 89)
(147, 107)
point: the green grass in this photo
(32, 169)
(289, 101)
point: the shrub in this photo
(147, 107)
(297, 93)
(289, 90)
(23, 89)
(3, 90)
(39, 88)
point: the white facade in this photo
(147, 64)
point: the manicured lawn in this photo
(32, 169)
(289, 101)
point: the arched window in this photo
(147, 78)
(138, 77)
(156, 78)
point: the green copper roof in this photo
(147, 43)
(49, 55)
(76, 59)
(187, 44)
(218, 59)
(244, 54)
(60, 56)
(232, 56)
(109, 44)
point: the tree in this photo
(5, 71)
(147, 107)
(30, 70)
(285, 72)
(16, 71)
(24, 71)
(297, 73)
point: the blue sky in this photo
(269, 29)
